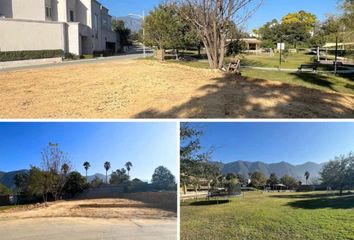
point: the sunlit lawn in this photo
(271, 216)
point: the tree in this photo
(124, 33)
(339, 173)
(128, 165)
(86, 166)
(307, 175)
(107, 166)
(288, 181)
(41, 183)
(65, 168)
(75, 184)
(162, 28)
(258, 179)
(4, 190)
(273, 180)
(306, 19)
(96, 182)
(212, 19)
(163, 178)
(21, 181)
(119, 177)
(55, 162)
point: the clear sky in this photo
(295, 143)
(269, 10)
(146, 145)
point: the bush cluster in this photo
(27, 55)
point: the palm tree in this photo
(65, 168)
(86, 166)
(107, 166)
(128, 165)
(307, 175)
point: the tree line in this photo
(55, 179)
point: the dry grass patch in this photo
(149, 89)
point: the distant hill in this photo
(133, 23)
(7, 179)
(280, 169)
(99, 175)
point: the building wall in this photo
(74, 39)
(32, 10)
(17, 35)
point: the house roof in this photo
(251, 40)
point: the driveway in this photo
(87, 229)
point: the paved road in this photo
(134, 53)
(87, 229)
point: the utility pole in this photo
(143, 18)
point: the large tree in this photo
(128, 166)
(289, 181)
(258, 179)
(119, 176)
(211, 20)
(163, 178)
(56, 163)
(86, 166)
(339, 173)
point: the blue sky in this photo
(146, 145)
(295, 143)
(270, 9)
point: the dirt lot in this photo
(89, 219)
(149, 89)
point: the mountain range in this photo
(280, 169)
(133, 23)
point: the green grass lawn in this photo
(271, 216)
(292, 61)
(328, 82)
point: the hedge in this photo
(27, 55)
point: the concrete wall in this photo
(25, 9)
(74, 39)
(17, 35)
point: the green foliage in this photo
(4, 190)
(41, 183)
(272, 180)
(136, 185)
(306, 19)
(118, 26)
(258, 180)
(235, 47)
(21, 181)
(119, 176)
(96, 182)
(75, 184)
(163, 178)
(27, 55)
(128, 165)
(289, 181)
(339, 173)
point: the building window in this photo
(48, 12)
(95, 23)
(72, 16)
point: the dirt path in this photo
(149, 89)
(88, 219)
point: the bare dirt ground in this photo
(149, 89)
(89, 219)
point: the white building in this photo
(75, 26)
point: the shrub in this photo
(27, 55)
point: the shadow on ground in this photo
(239, 97)
(310, 195)
(343, 202)
(209, 202)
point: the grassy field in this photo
(322, 81)
(271, 216)
(328, 82)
